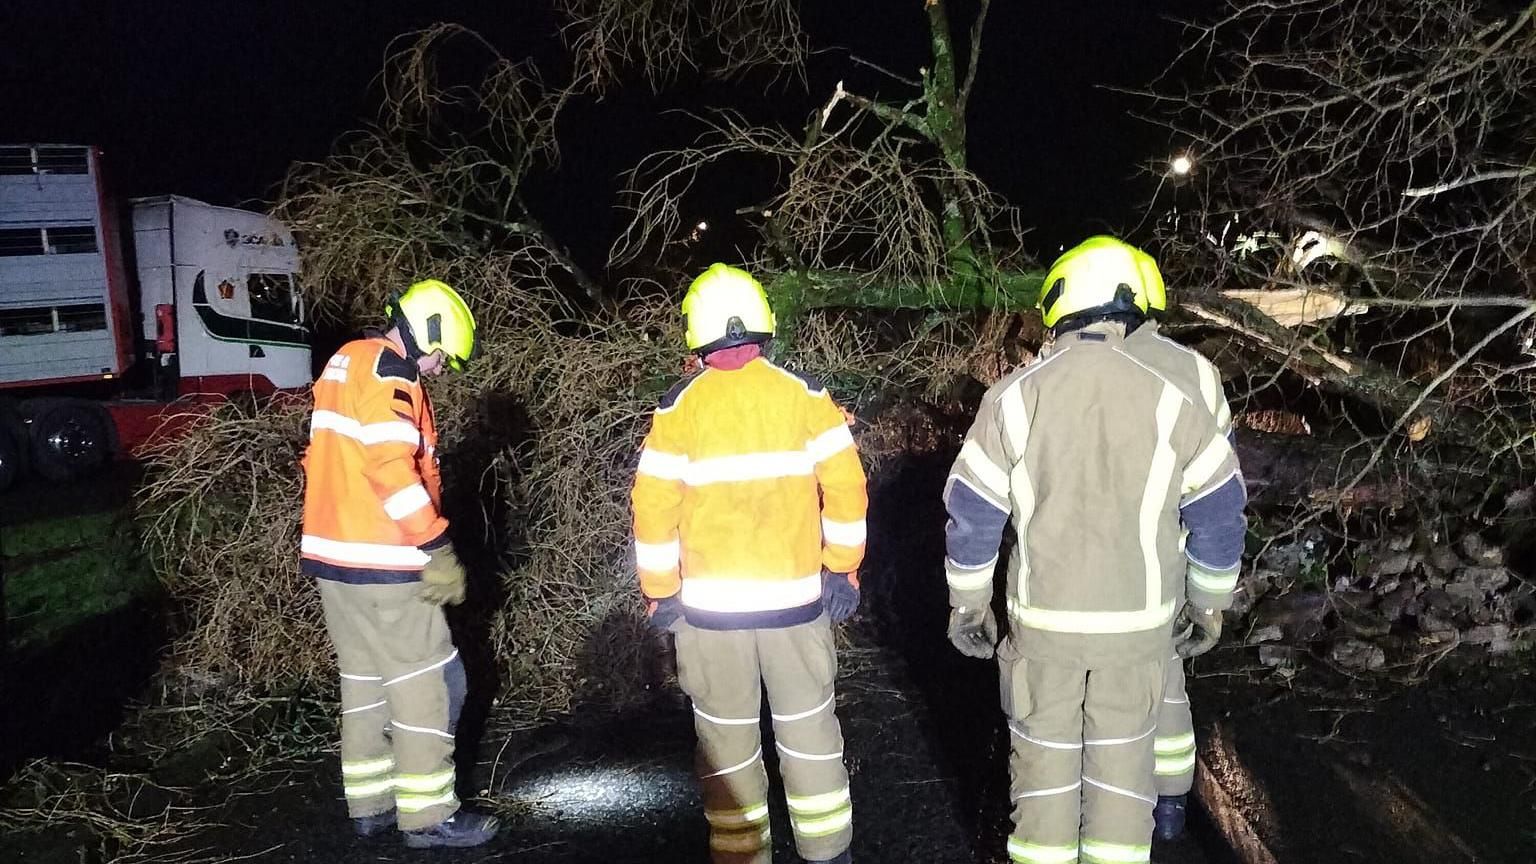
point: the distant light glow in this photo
(702, 226)
(1181, 165)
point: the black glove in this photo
(839, 595)
(667, 614)
(1196, 631)
(973, 632)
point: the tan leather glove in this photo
(442, 580)
(973, 632)
(1196, 631)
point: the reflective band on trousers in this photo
(1175, 743)
(424, 670)
(1173, 766)
(751, 840)
(1115, 853)
(370, 789)
(737, 818)
(418, 803)
(437, 781)
(367, 767)
(1034, 853)
(820, 815)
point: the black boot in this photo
(1169, 816)
(457, 831)
(367, 826)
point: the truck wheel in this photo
(10, 459)
(70, 439)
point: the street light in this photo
(1181, 165)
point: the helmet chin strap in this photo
(407, 335)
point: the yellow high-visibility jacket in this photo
(748, 485)
(371, 494)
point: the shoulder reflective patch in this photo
(392, 365)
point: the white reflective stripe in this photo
(438, 665)
(371, 554)
(1211, 487)
(736, 818)
(1090, 622)
(1110, 742)
(748, 466)
(1053, 745)
(418, 803)
(811, 757)
(658, 557)
(844, 533)
(379, 704)
(397, 431)
(422, 729)
(739, 842)
(726, 721)
(829, 443)
(1213, 583)
(1154, 496)
(823, 826)
(407, 501)
(663, 466)
(750, 595)
(424, 783)
(368, 790)
(1184, 701)
(737, 767)
(1175, 743)
(818, 803)
(790, 718)
(1033, 853)
(1224, 418)
(1202, 469)
(367, 767)
(1015, 419)
(1118, 791)
(347, 677)
(1046, 793)
(1119, 853)
(333, 373)
(1175, 765)
(969, 578)
(988, 472)
(1210, 387)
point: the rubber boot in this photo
(1169, 816)
(461, 830)
(367, 826)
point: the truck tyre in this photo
(70, 439)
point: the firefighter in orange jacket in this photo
(377, 544)
(749, 505)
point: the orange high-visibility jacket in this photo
(372, 494)
(748, 485)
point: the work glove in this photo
(840, 595)
(1197, 631)
(442, 580)
(973, 631)
(666, 614)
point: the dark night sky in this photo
(214, 99)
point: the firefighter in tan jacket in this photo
(1127, 504)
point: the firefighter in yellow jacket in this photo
(377, 544)
(1127, 505)
(749, 506)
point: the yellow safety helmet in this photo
(432, 316)
(1100, 276)
(725, 306)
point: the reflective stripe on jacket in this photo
(747, 486)
(1103, 451)
(372, 494)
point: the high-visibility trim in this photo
(418, 803)
(1154, 496)
(1023, 487)
(658, 557)
(1202, 469)
(1057, 621)
(1210, 388)
(736, 818)
(1174, 743)
(370, 706)
(809, 757)
(1210, 489)
(1021, 852)
(1015, 420)
(372, 789)
(824, 826)
(1183, 701)
(421, 729)
(367, 767)
(1212, 583)
(1224, 418)
(407, 501)
(844, 533)
(390, 431)
(366, 554)
(985, 470)
(737, 841)
(1173, 766)
(969, 578)
(755, 757)
(663, 466)
(822, 803)
(749, 466)
(1046, 793)
(1100, 852)
(346, 677)
(1041, 742)
(829, 443)
(790, 718)
(438, 665)
(1116, 790)
(425, 783)
(1110, 742)
(726, 721)
(749, 595)
(334, 373)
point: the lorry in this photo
(118, 323)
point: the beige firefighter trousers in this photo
(1082, 739)
(724, 672)
(1175, 741)
(402, 686)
